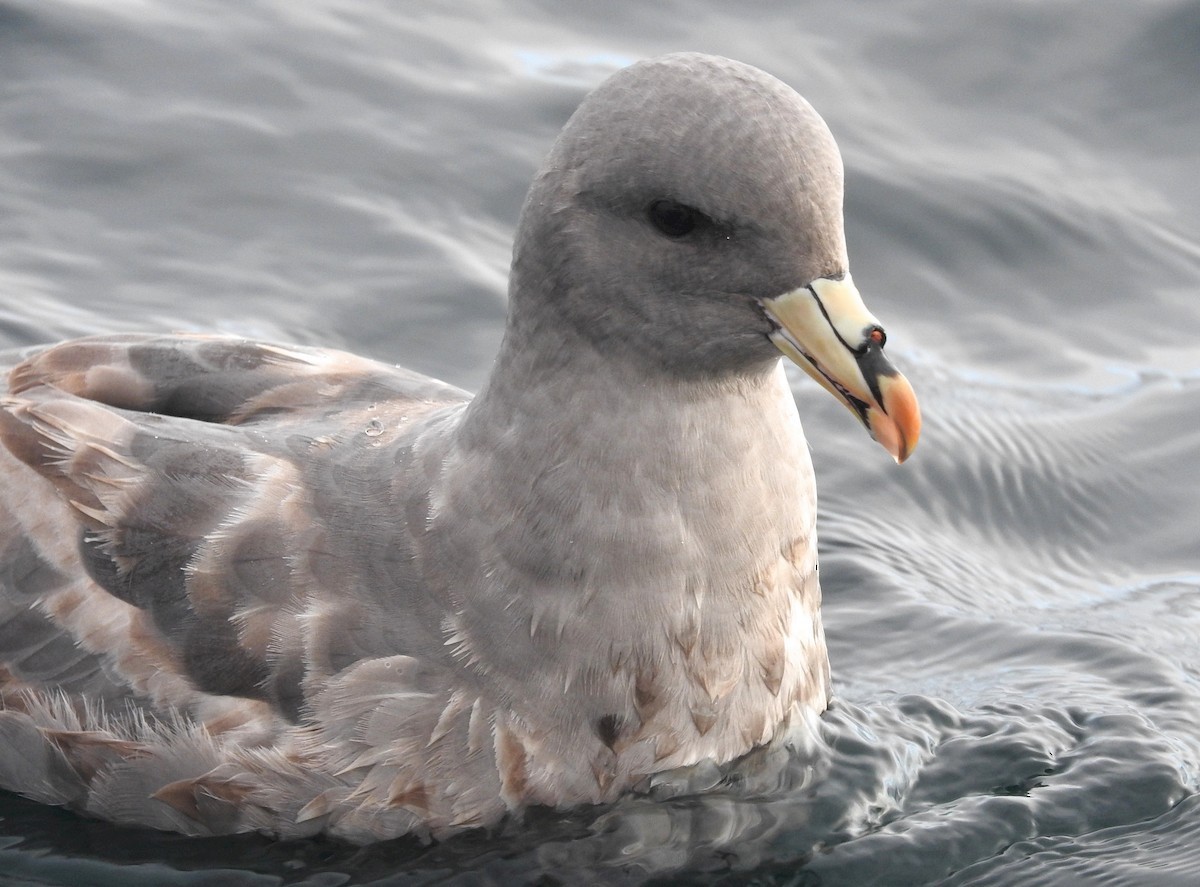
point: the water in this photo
(1013, 616)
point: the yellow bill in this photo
(827, 330)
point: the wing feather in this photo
(184, 550)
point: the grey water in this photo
(1013, 615)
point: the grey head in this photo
(683, 192)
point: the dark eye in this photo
(672, 218)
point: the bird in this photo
(257, 587)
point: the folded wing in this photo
(179, 544)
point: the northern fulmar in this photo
(247, 586)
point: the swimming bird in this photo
(248, 586)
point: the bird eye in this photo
(672, 218)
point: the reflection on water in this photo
(1013, 615)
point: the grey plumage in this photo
(246, 586)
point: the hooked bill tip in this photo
(898, 426)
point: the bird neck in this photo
(646, 545)
(554, 392)
(592, 449)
